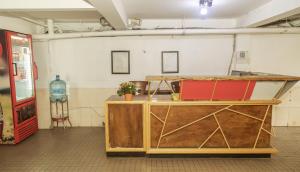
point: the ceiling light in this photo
(203, 11)
(207, 3)
(204, 5)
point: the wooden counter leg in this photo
(149, 91)
(106, 128)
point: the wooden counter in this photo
(162, 126)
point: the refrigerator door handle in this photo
(15, 69)
(1, 111)
(35, 71)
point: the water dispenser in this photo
(58, 90)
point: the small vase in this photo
(128, 97)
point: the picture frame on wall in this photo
(120, 62)
(170, 61)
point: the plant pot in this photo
(128, 97)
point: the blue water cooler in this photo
(59, 98)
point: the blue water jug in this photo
(58, 91)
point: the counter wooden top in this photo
(166, 100)
(138, 99)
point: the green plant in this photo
(126, 88)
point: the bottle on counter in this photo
(58, 90)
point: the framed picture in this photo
(120, 62)
(170, 62)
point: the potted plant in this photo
(127, 89)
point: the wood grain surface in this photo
(207, 126)
(125, 125)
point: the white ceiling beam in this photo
(41, 5)
(187, 23)
(270, 12)
(113, 11)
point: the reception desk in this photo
(158, 125)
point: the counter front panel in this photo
(210, 126)
(125, 125)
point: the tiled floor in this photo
(82, 149)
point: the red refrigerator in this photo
(18, 113)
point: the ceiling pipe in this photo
(50, 27)
(33, 21)
(50, 24)
(168, 32)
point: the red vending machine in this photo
(18, 114)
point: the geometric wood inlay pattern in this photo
(210, 126)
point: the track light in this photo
(207, 3)
(204, 5)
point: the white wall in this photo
(272, 53)
(279, 54)
(17, 25)
(85, 64)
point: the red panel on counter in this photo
(233, 90)
(196, 89)
(250, 90)
(222, 90)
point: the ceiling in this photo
(188, 8)
(291, 21)
(223, 13)
(58, 16)
(146, 9)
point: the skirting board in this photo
(213, 151)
